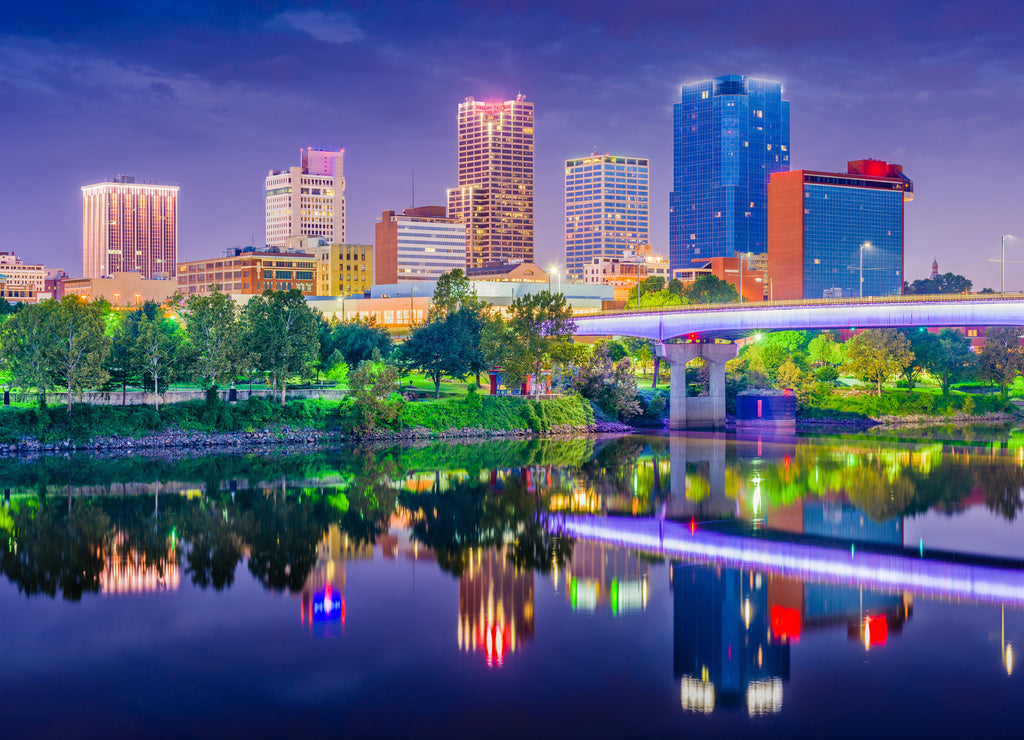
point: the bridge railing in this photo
(756, 305)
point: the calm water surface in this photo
(638, 586)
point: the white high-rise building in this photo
(129, 227)
(308, 200)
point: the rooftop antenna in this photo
(414, 188)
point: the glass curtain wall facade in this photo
(838, 221)
(827, 231)
(607, 201)
(729, 135)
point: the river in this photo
(808, 586)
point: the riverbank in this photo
(258, 424)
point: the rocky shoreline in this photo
(287, 437)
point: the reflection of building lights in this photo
(785, 624)
(1009, 659)
(746, 613)
(757, 496)
(696, 696)
(764, 697)
(876, 631)
(583, 594)
(127, 570)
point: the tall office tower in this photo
(495, 193)
(418, 244)
(308, 200)
(606, 209)
(837, 235)
(729, 135)
(129, 227)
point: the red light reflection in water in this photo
(876, 631)
(495, 640)
(786, 624)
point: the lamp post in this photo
(558, 277)
(742, 254)
(865, 245)
(1002, 264)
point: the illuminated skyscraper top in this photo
(308, 200)
(495, 193)
(729, 135)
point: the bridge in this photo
(705, 327)
(938, 578)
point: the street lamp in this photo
(742, 255)
(553, 270)
(865, 245)
(1002, 264)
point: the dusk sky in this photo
(209, 95)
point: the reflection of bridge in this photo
(736, 320)
(808, 562)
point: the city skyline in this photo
(215, 123)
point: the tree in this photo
(954, 362)
(23, 342)
(711, 289)
(281, 329)
(676, 287)
(877, 354)
(825, 350)
(211, 326)
(372, 385)
(121, 365)
(1001, 359)
(659, 299)
(538, 331)
(653, 284)
(357, 341)
(940, 284)
(438, 348)
(609, 383)
(454, 292)
(925, 347)
(76, 345)
(157, 351)
(328, 357)
(456, 301)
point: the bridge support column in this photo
(704, 412)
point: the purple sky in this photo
(209, 95)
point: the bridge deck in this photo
(942, 579)
(735, 320)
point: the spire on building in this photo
(935, 269)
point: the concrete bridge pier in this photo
(699, 412)
(707, 455)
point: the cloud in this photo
(332, 26)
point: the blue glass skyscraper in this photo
(729, 135)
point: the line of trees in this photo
(462, 336)
(655, 292)
(208, 339)
(810, 362)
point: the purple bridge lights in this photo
(703, 325)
